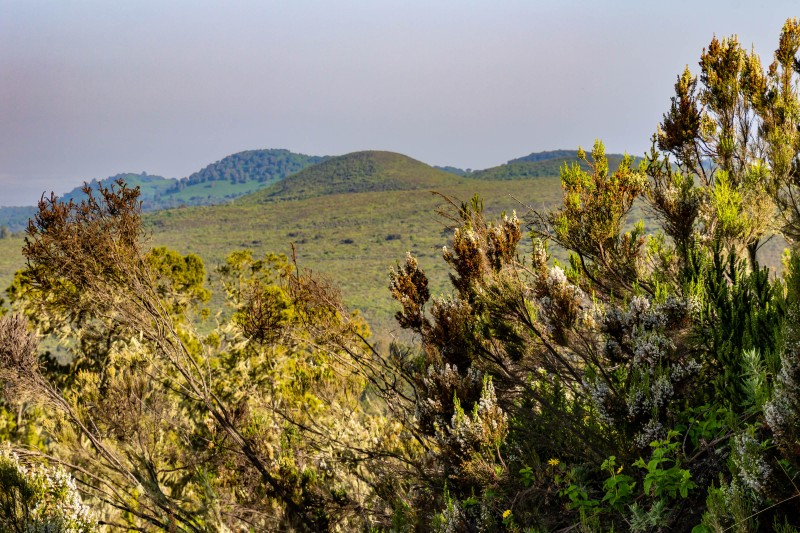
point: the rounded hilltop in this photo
(366, 171)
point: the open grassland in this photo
(354, 239)
(11, 259)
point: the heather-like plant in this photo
(37, 499)
(650, 384)
(245, 426)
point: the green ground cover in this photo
(353, 238)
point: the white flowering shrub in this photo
(485, 428)
(782, 413)
(643, 341)
(37, 499)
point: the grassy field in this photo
(214, 190)
(11, 260)
(353, 238)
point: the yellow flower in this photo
(506, 513)
(553, 462)
(619, 469)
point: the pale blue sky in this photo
(96, 87)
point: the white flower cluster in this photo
(782, 413)
(556, 276)
(441, 381)
(55, 504)
(557, 279)
(453, 518)
(637, 402)
(662, 391)
(751, 468)
(558, 299)
(641, 336)
(463, 238)
(539, 253)
(651, 347)
(650, 399)
(600, 394)
(653, 430)
(487, 426)
(687, 368)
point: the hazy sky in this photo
(93, 88)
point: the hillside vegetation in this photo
(352, 237)
(264, 166)
(231, 177)
(15, 218)
(368, 171)
(537, 165)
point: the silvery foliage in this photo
(487, 423)
(441, 380)
(54, 504)
(639, 340)
(558, 297)
(476, 435)
(783, 412)
(452, 519)
(751, 468)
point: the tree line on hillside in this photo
(259, 165)
(652, 383)
(534, 165)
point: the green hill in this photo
(238, 175)
(231, 177)
(547, 155)
(153, 189)
(246, 172)
(359, 172)
(154, 195)
(454, 170)
(15, 219)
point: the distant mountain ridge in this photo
(231, 177)
(539, 165)
(244, 173)
(546, 156)
(536, 164)
(263, 166)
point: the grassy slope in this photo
(353, 173)
(240, 174)
(11, 260)
(217, 191)
(353, 238)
